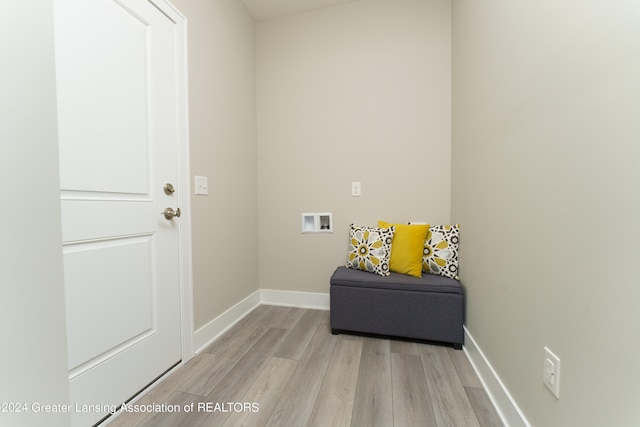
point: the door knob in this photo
(170, 213)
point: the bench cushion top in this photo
(344, 276)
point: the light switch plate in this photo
(202, 185)
(356, 189)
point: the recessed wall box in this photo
(317, 223)
(326, 223)
(308, 223)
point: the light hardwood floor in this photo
(285, 362)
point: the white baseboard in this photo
(507, 408)
(310, 300)
(207, 334)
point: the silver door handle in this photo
(170, 213)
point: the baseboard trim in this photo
(207, 334)
(315, 301)
(505, 405)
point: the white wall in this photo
(545, 183)
(355, 92)
(223, 148)
(33, 356)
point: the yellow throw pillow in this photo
(407, 247)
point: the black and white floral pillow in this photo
(370, 249)
(441, 251)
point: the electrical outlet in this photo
(551, 372)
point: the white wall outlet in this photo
(356, 189)
(551, 372)
(202, 185)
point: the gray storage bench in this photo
(429, 308)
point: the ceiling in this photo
(265, 9)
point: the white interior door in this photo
(116, 80)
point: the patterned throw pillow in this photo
(370, 249)
(441, 251)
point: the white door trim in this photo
(184, 174)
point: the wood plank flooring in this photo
(281, 367)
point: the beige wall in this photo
(545, 155)
(223, 148)
(357, 92)
(33, 356)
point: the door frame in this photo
(184, 174)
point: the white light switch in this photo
(356, 189)
(202, 185)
